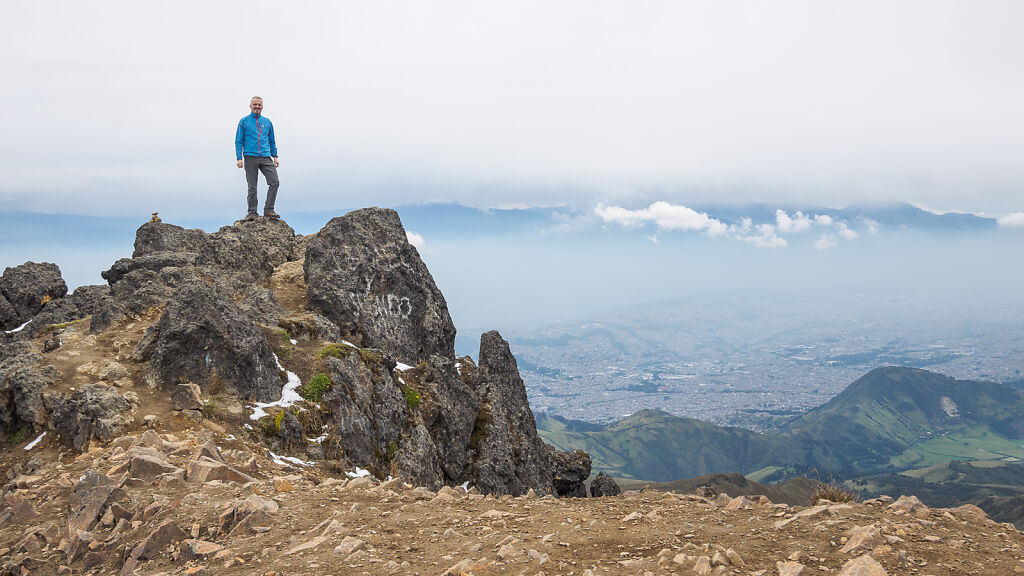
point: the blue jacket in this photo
(255, 137)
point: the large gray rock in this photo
(604, 486)
(365, 277)
(202, 337)
(570, 470)
(30, 286)
(92, 411)
(367, 409)
(26, 397)
(510, 458)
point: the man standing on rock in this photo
(255, 140)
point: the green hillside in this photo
(888, 421)
(656, 446)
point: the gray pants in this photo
(265, 164)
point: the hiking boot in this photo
(271, 214)
(250, 217)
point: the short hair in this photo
(260, 98)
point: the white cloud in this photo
(654, 239)
(797, 223)
(822, 220)
(666, 216)
(844, 231)
(825, 242)
(414, 239)
(765, 237)
(872, 225)
(1011, 220)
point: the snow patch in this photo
(358, 473)
(289, 395)
(293, 341)
(319, 438)
(289, 461)
(402, 367)
(18, 329)
(33, 443)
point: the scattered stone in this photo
(740, 503)
(199, 549)
(703, 566)
(790, 568)
(308, 545)
(863, 566)
(283, 485)
(348, 546)
(862, 538)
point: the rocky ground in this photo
(201, 501)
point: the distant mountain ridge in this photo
(889, 420)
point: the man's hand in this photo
(239, 163)
(276, 163)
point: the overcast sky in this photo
(130, 107)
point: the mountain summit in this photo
(339, 344)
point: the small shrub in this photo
(372, 359)
(18, 435)
(835, 493)
(334, 350)
(209, 408)
(278, 418)
(285, 336)
(412, 397)
(315, 389)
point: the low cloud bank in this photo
(1011, 220)
(673, 217)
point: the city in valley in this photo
(752, 363)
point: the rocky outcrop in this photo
(26, 395)
(29, 287)
(438, 424)
(509, 456)
(365, 277)
(203, 338)
(238, 259)
(92, 411)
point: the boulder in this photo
(510, 458)
(604, 486)
(203, 338)
(250, 513)
(166, 533)
(89, 499)
(149, 467)
(30, 286)
(187, 396)
(92, 411)
(204, 469)
(25, 396)
(570, 470)
(365, 277)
